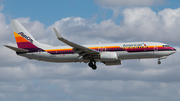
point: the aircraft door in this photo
(103, 49)
(155, 51)
(155, 48)
(99, 49)
(39, 54)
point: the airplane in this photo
(109, 54)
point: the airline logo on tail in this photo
(26, 37)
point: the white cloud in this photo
(36, 28)
(149, 25)
(128, 3)
(138, 24)
(116, 5)
(2, 26)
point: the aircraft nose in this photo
(173, 50)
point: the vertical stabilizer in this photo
(23, 38)
(18, 28)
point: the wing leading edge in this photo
(81, 50)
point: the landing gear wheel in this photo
(94, 67)
(92, 64)
(159, 62)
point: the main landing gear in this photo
(92, 64)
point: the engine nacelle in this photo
(108, 56)
(109, 63)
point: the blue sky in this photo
(91, 22)
(50, 11)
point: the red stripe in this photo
(25, 45)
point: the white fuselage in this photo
(141, 52)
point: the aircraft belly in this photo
(43, 56)
(162, 53)
(134, 55)
(65, 58)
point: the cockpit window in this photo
(165, 45)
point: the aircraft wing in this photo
(81, 50)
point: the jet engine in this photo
(108, 56)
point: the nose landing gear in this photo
(159, 62)
(92, 64)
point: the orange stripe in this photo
(104, 47)
(20, 39)
(59, 49)
(67, 49)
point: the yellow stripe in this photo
(67, 49)
(16, 34)
(19, 38)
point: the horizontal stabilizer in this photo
(16, 49)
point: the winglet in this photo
(57, 34)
